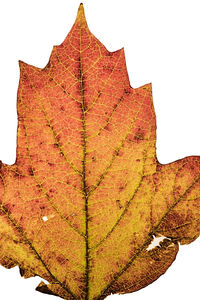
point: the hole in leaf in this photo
(156, 242)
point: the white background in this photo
(161, 40)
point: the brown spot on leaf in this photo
(42, 207)
(99, 94)
(56, 145)
(173, 219)
(108, 68)
(119, 204)
(108, 127)
(109, 53)
(139, 136)
(24, 77)
(30, 171)
(61, 259)
(119, 152)
(7, 208)
(127, 91)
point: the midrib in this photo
(84, 185)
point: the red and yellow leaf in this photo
(86, 196)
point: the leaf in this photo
(87, 196)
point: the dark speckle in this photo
(99, 93)
(158, 167)
(121, 188)
(25, 77)
(58, 137)
(127, 91)
(56, 145)
(118, 152)
(30, 171)
(108, 68)
(119, 204)
(107, 127)
(16, 174)
(109, 54)
(6, 208)
(61, 259)
(139, 135)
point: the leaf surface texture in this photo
(86, 196)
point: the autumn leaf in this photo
(87, 196)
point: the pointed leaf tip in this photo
(81, 8)
(81, 16)
(22, 64)
(43, 288)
